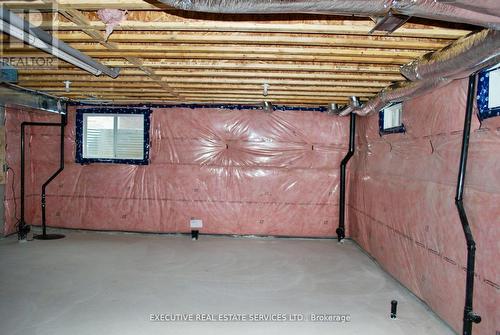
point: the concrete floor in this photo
(98, 283)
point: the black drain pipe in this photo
(23, 228)
(45, 236)
(352, 146)
(469, 316)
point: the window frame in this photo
(393, 130)
(483, 88)
(80, 133)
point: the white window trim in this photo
(494, 85)
(392, 109)
(115, 127)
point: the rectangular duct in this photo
(15, 95)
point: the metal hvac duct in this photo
(15, 95)
(398, 92)
(482, 13)
(458, 60)
(475, 51)
(486, 6)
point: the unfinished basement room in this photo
(227, 167)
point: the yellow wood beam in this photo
(85, 5)
(145, 55)
(78, 18)
(58, 86)
(161, 21)
(224, 76)
(381, 42)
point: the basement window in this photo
(488, 92)
(111, 135)
(391, 119)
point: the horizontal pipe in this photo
(40, 124)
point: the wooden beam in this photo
(244, 65)
(223, 76)
(198, 57)
(381, 42)
(227, 98)
(171, 56)
(162, 21)
(201, 77)
(203, 82)
(217, 92)
(78, 18)
(250, 50)
(195, 87)
(86, 5)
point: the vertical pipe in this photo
(352, 142)
(44, 186)
(469, 316)
(21, 230)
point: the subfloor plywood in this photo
(99, 283)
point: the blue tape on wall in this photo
(483, 88)
(218, 106)
(79, 135)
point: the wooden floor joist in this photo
(170, 56)
(78, 18)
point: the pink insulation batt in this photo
(112, 18)
(250, 172)
(402, 208)
(240, 171)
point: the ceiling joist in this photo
(176, 57)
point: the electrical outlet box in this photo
(196, 223)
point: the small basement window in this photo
(488, 92)
(391, 119)
(112, 136)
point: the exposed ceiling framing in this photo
(169, 56)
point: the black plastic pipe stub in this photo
(195, 234)
(394, 309)
(340, 234)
